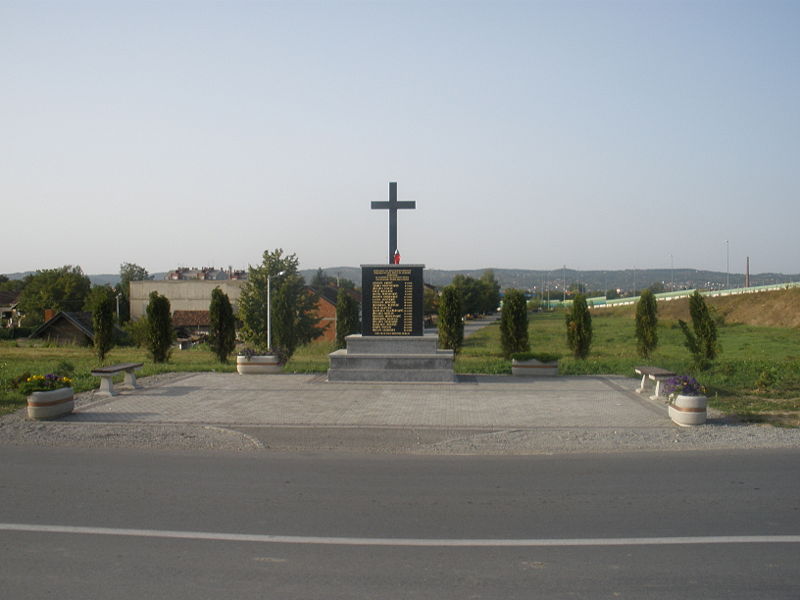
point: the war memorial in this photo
(392, 345)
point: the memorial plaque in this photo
(392, 300)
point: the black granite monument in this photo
(392, 345)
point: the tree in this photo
(702, 341)
(489, 292)
(514, 323)
(451, 322)
(160, 334)
(293, 311)
(222, 335)
(579, 327)
(469, 290)
(430, 301)
(347, 317)
(646, 324)
(101, 302)
(63, 289)
(129, 272)
(321, 279)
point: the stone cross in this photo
(393, 205)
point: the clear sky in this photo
(596, 135)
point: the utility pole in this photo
(671, 273)
(727, 265)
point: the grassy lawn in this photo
(757, 375)
(15, 361)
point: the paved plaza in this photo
(487, 402)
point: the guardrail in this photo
(603, 302)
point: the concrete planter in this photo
(258, 364)
(687, 411)
(534, 368)
(51, 404)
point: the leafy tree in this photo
(451, 323)
(469, 290)
(321, 279)
(646, 324)
(430, 301)
(702, 339)
(489, 292)
(160, 334)
(579, 327)
(293, 311)
(347, 317)
(129, 272)
(222, 335)
(514, 323)
(101, 303)
(58, 289)
(12, 285)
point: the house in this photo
(191, 326)
(67, 328)
(326, 311)
(9, 315)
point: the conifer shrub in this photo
(103, 322)
(222, 334)
(160, 334)
(646, 324)
(514, 323)
(451, 324)
(347, 317)
(579, 327)
(701, 340)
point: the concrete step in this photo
(391, 361)
(393, 375)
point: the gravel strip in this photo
(16, 429)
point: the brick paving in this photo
(308, 400)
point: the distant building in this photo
(9, 315)
(183, 295)
(205, 274)
(68, 328)
(190, 299)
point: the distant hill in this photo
(530, 279)
(626, 280)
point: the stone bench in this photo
(656, 374)
(106, 375)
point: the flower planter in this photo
(51, 403)
(258, 364)
(534, 368)
(687, 411)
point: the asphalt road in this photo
(89, 523)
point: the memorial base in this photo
(408, 359)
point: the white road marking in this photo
(422, 542)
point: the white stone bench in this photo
(106, 375)
(655, 374)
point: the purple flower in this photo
(683, 385)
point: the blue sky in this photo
(597, 135)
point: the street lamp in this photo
(269, 310)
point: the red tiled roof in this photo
(191, 318)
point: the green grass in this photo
(15, 361)
(757, 375)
